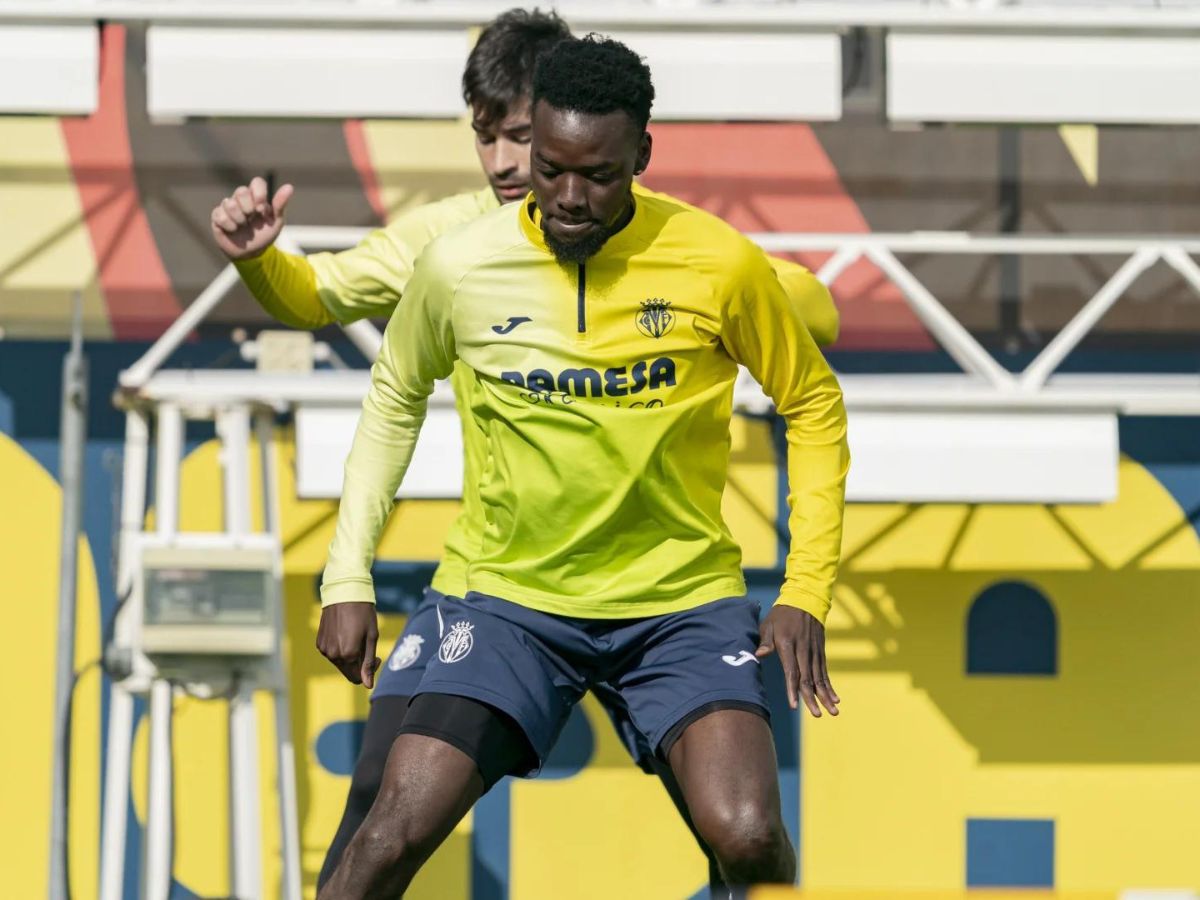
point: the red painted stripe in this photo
(133, 279)
(360, 157)
(777, 177)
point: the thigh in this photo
(511, 658)
(676, 666)
(725, 763)
(401, 672)
(428, 786)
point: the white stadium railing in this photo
(986, 434)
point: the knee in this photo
(744, 837)
(391, 843)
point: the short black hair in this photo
(595, 75)
(499, 72)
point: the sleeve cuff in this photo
(347, 592)
(816, 605)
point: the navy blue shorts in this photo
(401, 672)
(535, 666)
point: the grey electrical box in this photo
(208, 601)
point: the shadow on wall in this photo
(1061, 634)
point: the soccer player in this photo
(369, 280)
(602, 556)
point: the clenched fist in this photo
(245, 223)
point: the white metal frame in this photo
(984, 384)
(234, 430)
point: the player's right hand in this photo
(245, 223)
(347, 637)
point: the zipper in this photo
(581, 299)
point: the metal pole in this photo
(289, 817)
(72, 442)
(837, 264)
(159, 816)
(159, 835)
(137, 374)
(120, 708)
(365, 337)
(245, 828)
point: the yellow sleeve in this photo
(368, 280)
(418, 349)
(363, 282)
(763, 330)
(286, 287)
(811, 296)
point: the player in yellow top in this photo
(369, 280)
(603, 557)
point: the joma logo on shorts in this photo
(615, 382)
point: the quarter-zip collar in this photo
(530, 219)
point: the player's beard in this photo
(580, 251)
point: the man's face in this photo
(582, 171)
(503, 148)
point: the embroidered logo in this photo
(741, 659)
(513, 322)
(457, 643)
(407, 652)
(655, 318)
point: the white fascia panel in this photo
(982, 457)
(1043, 78)
(49, 69)
(324, 436)
(732, 75)
(304, 72)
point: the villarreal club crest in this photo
(655, 318)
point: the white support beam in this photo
(196, 312)
(956, 340)
(838, 263)
(1085, 320)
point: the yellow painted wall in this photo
(1107, 748)
(45, 250)
(29, 558)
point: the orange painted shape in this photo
(137, 290)
(777, 177)
(360, 156)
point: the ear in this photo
(643, 157)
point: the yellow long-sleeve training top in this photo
(602, 395)
(370, 279)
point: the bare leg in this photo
(383, 724)
(725, 763)
(428, 786)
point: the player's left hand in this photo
(800, 641)
(347, 637)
